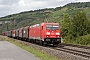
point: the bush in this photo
(81, 40)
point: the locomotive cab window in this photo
(48, 27)
(52, 27)
(55, 27)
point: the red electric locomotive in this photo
(46, 33)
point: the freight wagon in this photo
(20, 33)
(25, 33)
(14, 33)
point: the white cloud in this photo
(82, 0)
(21, 3)
(15, 6)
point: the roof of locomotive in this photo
(44, 23)
(50, 23)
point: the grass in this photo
(2, 38)
(37, 53)
(80, 40)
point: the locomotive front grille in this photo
(52, 39)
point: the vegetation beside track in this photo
(37, 53)
(3, 38)
(76, 30)
(81, 40)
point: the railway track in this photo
(75, 52)
(78, 46)
(82, 51)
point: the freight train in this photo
(44, 33)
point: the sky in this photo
(8, 7)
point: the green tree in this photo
(66, 25)
(80, 24)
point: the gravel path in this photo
(9, 51)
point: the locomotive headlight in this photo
(47, 36)
(57, 33)
(58, 36)
(48, 33)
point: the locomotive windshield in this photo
(52, 27)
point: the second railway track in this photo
(82, 51)
(75, 52)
